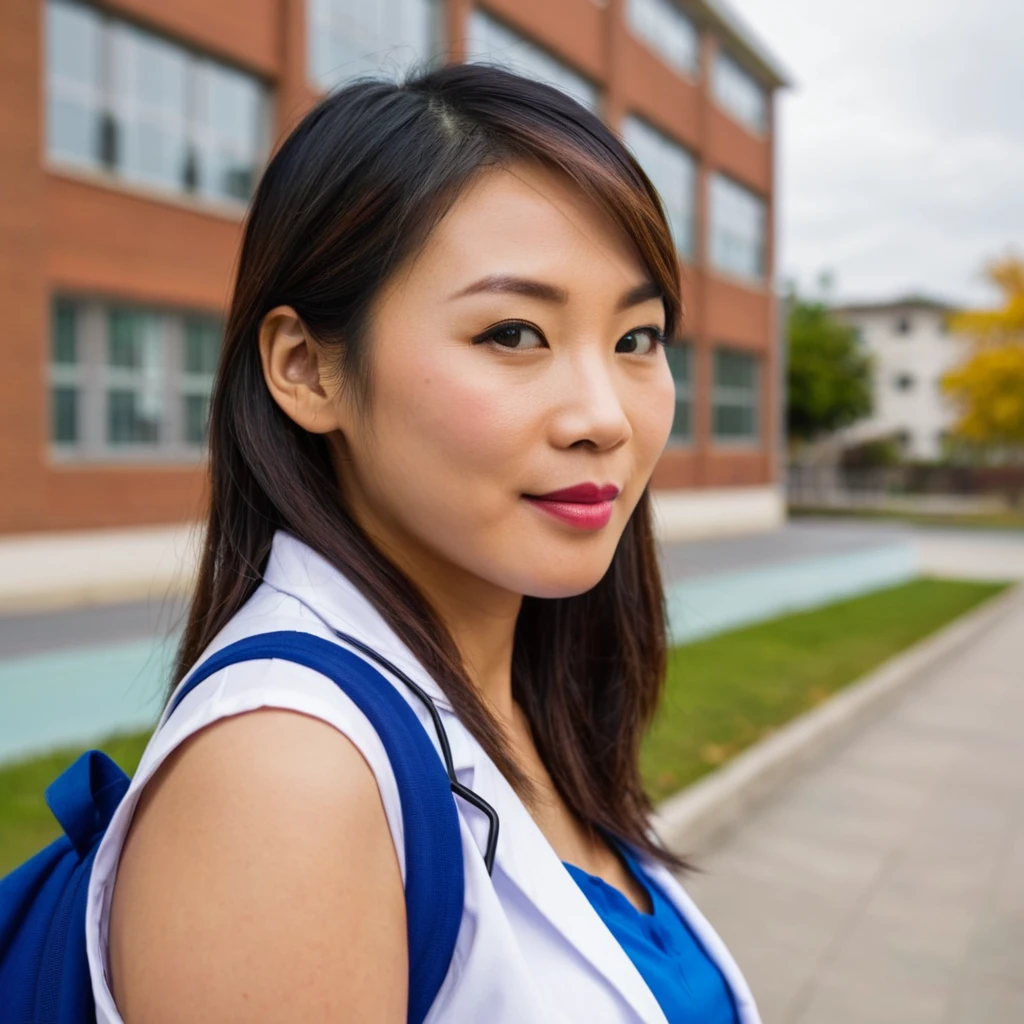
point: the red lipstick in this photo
(587, 506)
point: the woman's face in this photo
(517, 355)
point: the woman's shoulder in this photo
(244, 849)
(259, 800)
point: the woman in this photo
(441, 397)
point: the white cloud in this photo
(902, 144)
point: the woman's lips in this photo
(586, 506)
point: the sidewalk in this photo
(44, 571)
(47, 571)
(886, 884)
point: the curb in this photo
(703, 813)
(44, 572)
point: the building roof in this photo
(906, 302)
(744, 42)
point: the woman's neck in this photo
(480, 617)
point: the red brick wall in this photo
(23, 428)
(61, 232)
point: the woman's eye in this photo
(641, 341)
(515, 336)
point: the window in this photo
(740, 94)
(123, 100)
(202, 348)
(130, 382)
(904, 325)
(348, 38)
(737, 229)
(490, 40)
(666, 30)
(680, 359)
(65, 382)
(672, 172)
(75, 101)
(135, 375)
(904, 381)
(734, 398)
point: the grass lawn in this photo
(727, 691)
(953, 521)
(723, 693)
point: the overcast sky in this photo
(902, 141)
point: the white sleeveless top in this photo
(530, 947)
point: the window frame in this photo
(94, 379)
(726, 73)
(737, 397)
(684, 393)
(344, 24)
(641, 18)
(117, 109)
(719, 181)
(584, 91)
(635, 123)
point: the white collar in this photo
(295, 569)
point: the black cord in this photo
(457, 787)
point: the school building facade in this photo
(134, 131)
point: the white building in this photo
(912, 350)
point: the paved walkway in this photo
(887, 883)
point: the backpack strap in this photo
(434, 885)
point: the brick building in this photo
(133, 131)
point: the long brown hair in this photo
(352, 192)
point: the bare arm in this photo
(260, 883)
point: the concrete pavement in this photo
(886, 883)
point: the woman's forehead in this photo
(522, 217)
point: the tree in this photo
(829, 376)
(988, 387)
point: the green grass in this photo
(722, 694)
(967, 521)
(727, 691)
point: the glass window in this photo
(74, 83)
(737, 229)
(348, 38)
(666, 30)
(734, 399)
(64, 374)
(680, 359)
(135, 375)
(672, 172)
(904, 325)
(904, 381)
(149, 107)
(202, 348)
(149, 110)
(740, 94)
(127, 381)
(490, 40)
(230, 131)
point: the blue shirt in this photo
(688, 985)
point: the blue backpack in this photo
(44, 973)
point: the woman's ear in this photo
(294, 371)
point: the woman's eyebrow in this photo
(644, 292)
(510, 285)
(516, 286)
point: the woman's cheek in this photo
(473, 423)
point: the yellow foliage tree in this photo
(988, 387)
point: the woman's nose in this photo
(590, 409)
